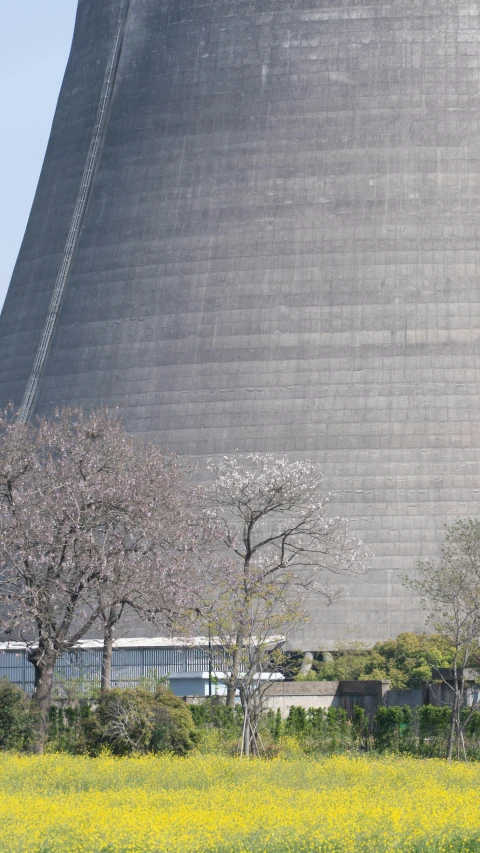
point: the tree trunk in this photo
(455, 711)
(246, 735)
(451, 732)
(106, 678)
(460, 685)
(232, 682)
(44, 664)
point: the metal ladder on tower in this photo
(77, 216)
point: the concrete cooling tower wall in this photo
(256, 228)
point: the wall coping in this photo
(328, 688)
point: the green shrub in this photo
(319, 729)
(219, 727)
(17, 717)
(392, 728)
(277, 726)
(317, 721)
(405, 661)
(360, 731)
(213, 713)
(137, 721)
(296, 722)
(473, 725)
(433, 721)
(66, 728)
(173, 728)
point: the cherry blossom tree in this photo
(153, 562)
(92, 522)
(282, 548)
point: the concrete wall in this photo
(441, 694)
(279, 253)
(284, 696)
(325, 694)
(412, 698)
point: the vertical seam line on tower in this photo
(77, 217)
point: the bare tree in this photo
(153, 561)
(82, 535)
(450, 590)
(252, 634)
(281, 548)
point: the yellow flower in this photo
(214, 804)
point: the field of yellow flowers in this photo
(215, 804)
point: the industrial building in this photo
(191, 666)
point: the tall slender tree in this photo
(282, 548)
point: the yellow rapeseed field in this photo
(214, 804)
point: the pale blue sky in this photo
(35, 38)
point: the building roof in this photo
(135, 643)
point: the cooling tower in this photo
(256, 229)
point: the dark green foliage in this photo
(433, 721)
(296, 722)
(137, 721)
(360, 731)
(173, 729)
(66, 728)
(473, 725)
(17, 717)
(419, 731)
(320, 730)
(433, 725)
(277, 726)
(336, 720)
(214, 714)
(392, 728)
(338, 730)
(274, 724)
